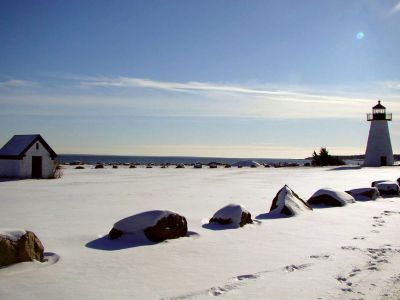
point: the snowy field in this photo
(350, 252)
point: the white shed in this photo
(27, 156)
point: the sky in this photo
(268, 79)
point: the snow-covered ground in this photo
(350, 252)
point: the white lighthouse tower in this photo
(379, 148)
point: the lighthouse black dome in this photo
(379, 105)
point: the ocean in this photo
(158, 160)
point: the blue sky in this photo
(204, 78)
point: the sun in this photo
(360, 35)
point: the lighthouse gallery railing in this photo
(372, 117)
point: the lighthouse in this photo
(379, 148)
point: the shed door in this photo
(383, 161)
(36, 167)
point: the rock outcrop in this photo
(19, 246)
(386, 187)
(330, 197)
(234, 214)
(288, 203)
(157, 225)
(364, 194)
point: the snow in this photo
(246, 163)
(231, 212)
(17, 144)
(288, 199)
(12, 234)
(339, 195)
(141, 221)
(337, 253)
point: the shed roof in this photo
(17, 146)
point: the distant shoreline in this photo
(121, 159)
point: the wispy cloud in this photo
(15, 83)
(285, 95)
(395, 9)
(130, 96)
(393, 85)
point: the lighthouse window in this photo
(37, 146)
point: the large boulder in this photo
(157, 225)
(288, 203)
(330, 197)
(19, 246)
(364, 194)
(386, 187)
(234, 214)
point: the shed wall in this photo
(9, 168)
(26, 163)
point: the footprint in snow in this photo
(320, 256)
(352, 248)
(292, 268)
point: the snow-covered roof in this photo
(16, 147)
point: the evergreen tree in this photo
(325, 159)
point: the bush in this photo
(57, 171)
(325, 159)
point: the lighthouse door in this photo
(383, 161)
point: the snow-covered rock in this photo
(234, 214)
(157, 225)
(386, 187)
(330, 197)
(288, 203)
(246, 163)
(17, 245)
(362, 194)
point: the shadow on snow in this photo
(127, 240)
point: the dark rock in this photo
(327, 200)
(386, 187)
(364, 193)
(26, 248)
(99, 166)
(157, 225)
(229, 215)
(172, 226)
(287, 202)
(115, 233)
(330, 197)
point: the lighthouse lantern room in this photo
(379, 148)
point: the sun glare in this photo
(360, 35)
